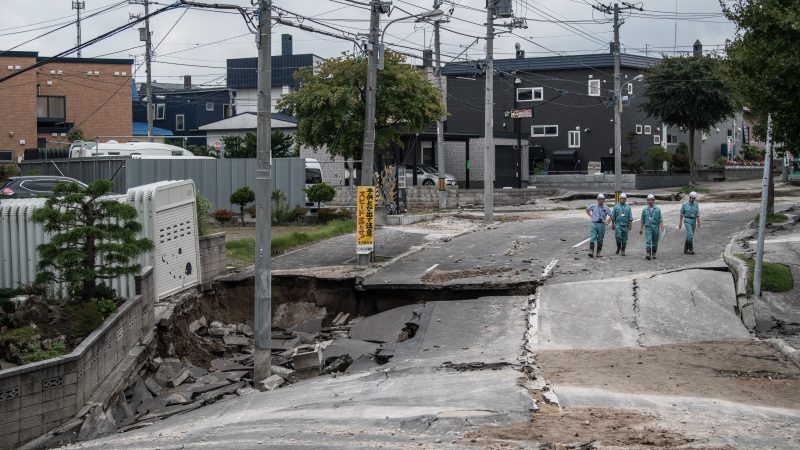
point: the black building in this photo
(571, 98)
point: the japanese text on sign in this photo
(365, 221)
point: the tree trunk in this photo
(90, 251)
(692, 166)
(241, 213)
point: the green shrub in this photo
(204, 206)
(658, 155)
(222, 216)
(106, 307)
(243, 197)
(722, 161)
(85, 319)
(751, 153)
(328, 214)
(320, 193)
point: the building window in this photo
(574, 140)
(52, 108)
(180, 122)
(672, 139)
(544, 130)
(530, 94)
(594, 88)
(656, 139)
(209, 106)
(160, 111)
(638, 129)
(228, 110)
(648, 130)
(630, 88)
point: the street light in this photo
(618, 135)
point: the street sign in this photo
(522, 113)
(217, 145)
(365, 220)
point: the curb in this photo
(786, 350)
(744, 302)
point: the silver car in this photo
(427, 176)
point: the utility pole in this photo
(488, 129)
(616, 50)
(262, 320)
(617, 111)
(442, 185)
(144, 35)
(78, 6)
(762, 217)
(368, 151)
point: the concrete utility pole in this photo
(148, 54)
(617, 110)
(488, 130)
(762, 217)
(368, 151)
(442, 185)
(262, 321)
(78, 6)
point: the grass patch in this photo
(773, 218)
(40, 354)
(774, 277)
(244, 249)
(690, 188)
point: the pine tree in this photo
(94, 238)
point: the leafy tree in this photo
(203, 206)
(243, 197)
(247, 146)
(75, 134)
(658, 155)
(680, 160)
(687, 92)
(320, 192)
(94, 238)
(762, 65)
(329, 106)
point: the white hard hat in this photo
(623, 195)
(693, 194)
(601, 197)
(651, 197)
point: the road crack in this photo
(636, 314)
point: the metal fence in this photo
(216, 179)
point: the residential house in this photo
(242, 124)
(182, 109)
(243, 76)
(39, 107)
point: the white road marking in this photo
(549, 267)
(432, 267)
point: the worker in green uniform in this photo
(621, 221)
(654, 224)
(600, 215)
(690, 216)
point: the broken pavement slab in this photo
(236, 341)
(383, 327)
(352, 347)
(271, 383)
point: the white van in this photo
(85, 149)
(313, 176)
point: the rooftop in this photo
(595, 61)
(64, 59)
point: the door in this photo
(506, 169)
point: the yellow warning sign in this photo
(365, 221)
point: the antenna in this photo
(78, 6)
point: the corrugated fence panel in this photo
(86, 170)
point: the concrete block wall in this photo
(600, 182)
(38, 397)
(735, 173)
(212, 256)
(645, 182)
(424, 197)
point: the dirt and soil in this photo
(749, 372)
(580, 428)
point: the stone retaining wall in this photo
(36, 398)
(212, 256)
(735, 173)
(426, 197)
(600, 182)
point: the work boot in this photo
(619, 247)
(599, 247)
(591, 250)
(654, 252)
(623, 249)
(649, 252)
(685, 247)
(691, 248)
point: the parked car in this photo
(427, 176)
(33, 186)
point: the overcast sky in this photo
(553, 26)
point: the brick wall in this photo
(38, 397)
(18, 105)
(100, 105)
(212, 256)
